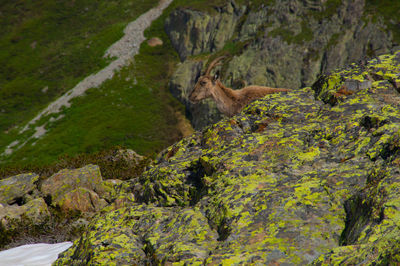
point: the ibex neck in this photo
(225, 98)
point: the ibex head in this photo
(205, 84)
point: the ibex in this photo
(229, 101)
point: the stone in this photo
(155, 41)
(13, 189)
(34, 212)
(82, 200)
(77, 189)
(356, 85)
(129, 156)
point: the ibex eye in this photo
(202, 83)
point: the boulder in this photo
(15, 188)
(130, 157)
(77, 189)
(82, 200)
(155, 41)
(35, 212)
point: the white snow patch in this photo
(33, 254)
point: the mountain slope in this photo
(125, 111)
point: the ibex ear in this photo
(216, 76)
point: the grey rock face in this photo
(193, 32)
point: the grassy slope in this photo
(54, 44)
(69, 33)
(134, 109)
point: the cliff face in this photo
(279, 44)
(309, 176)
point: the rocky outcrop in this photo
(34, 212)
(193, 32)
(279, 44)
(308, 177)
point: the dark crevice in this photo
(47, 199)
(196, 180)
(220, 222)
(223, 229)
(390, 150)
(149, 250)
(369, 122)
(19, 201)
(361, 210)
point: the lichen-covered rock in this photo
(309, 176)
(77, 189)
(143, 234)
(130, 157)
(15, 188)
(34, 212)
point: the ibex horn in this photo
(213, 64)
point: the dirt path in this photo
(124, 50)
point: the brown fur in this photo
(229, 101)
